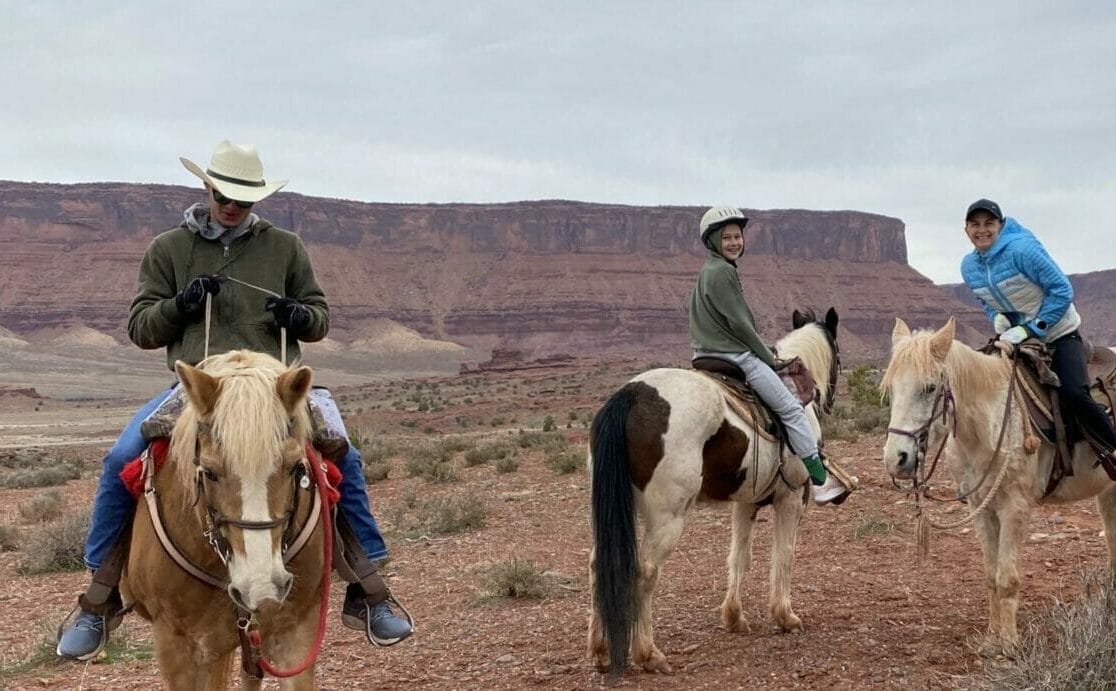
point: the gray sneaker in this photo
(379, 621)
(84, 638)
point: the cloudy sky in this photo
(874, 106)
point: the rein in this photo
(921, 488)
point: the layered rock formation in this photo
(541, 277)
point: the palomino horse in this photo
(943, 391)
(232, 491)
(664, 440)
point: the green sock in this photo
(815, 468)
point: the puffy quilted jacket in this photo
(1016, 277)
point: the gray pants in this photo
(771, 389)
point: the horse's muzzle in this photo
(254, 595)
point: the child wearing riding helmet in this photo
(722, 326)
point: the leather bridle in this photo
(943, 407)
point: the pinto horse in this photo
(234, 489)
(664, 440)
(945, 395)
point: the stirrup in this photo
(368, 623)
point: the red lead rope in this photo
(327, 568)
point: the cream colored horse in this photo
(235, 465)
(663, 441)
(929, 372)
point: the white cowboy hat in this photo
(236, 172)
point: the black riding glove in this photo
(290, 314)
(192, 297)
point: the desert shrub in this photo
(360, 441)
(441, 515)
(26, 468)
(507, 464)
(376, 472)
(548, 424)
(9, 537)
(45, 506)
(56, 546)
(452, 445)
(486, 453)
(518, 579)
(547, 441)
(1069, 647)
(431, 463)
(874, 524)
(565, 462)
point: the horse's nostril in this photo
(237, 597)
(903, 459)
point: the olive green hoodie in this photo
(720, 319)
(265, 256)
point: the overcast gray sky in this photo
(876, 106)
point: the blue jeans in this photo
(113, 505)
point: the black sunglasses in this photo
(222, 200)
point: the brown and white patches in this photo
(648, 420)
(722, 463)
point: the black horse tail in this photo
(614, 530)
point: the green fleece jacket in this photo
(720, 319)
(265, 256)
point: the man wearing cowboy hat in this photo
(218, 238)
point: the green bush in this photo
(548, 424)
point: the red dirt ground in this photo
(874, 618)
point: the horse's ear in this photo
(200, 388)
(798, 319)
(831, 322)
(900, 331)
(292, 387)
(942, 340)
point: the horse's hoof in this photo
(657, 665)
(738, 625)
(790, 623)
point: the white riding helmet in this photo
(718, 216)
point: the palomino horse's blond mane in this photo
(975, 378)
(248, 419)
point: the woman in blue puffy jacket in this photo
(1026, 295)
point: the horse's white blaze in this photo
(910, 410)
(259, 574)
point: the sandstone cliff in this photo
(541, 277)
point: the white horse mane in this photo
(811, 343)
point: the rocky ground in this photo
(874, 617)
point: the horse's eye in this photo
(209, 474)
(929, 389)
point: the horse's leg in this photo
(988, 533)
(176, 657)
(789, 506)
(597, 648)
(288, 647)
(739, 561)
(217, 675)
(1014, 515)
(664, 527)
(1106, 503)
